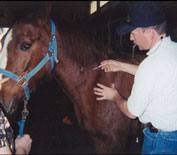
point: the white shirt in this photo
(154, 93)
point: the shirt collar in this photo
(157, 45)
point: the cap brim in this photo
(124, 29)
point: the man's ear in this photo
(150, 33)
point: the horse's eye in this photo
(25, 46)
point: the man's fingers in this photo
(98, 93)
(113, 85)
(101, 86)
(106, 61)
(98, 89)
(100, 98)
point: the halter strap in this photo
(53, 45)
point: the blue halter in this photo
(52, 57)
(52, 49)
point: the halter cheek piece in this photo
(22, 81)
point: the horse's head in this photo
(23, 46)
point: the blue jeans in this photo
(159, 143)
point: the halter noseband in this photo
(24, 79)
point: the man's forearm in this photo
(129, 68)
(20, 151)
(122, 104)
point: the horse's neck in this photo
(73, 77)
(67, 73)
(70, 73)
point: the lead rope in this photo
(25, 113)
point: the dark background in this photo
(104, 21)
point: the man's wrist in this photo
(117, 98)
(20, 150)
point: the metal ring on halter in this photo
(24, 83)
(25, 113)
(50, 54)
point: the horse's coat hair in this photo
(110, 130)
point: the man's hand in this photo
(106, 93)
(111, 66)
(23, 144)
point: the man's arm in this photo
(122, 104)
(129, 68)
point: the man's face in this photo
(139, 37)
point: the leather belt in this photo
(152, 128)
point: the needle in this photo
(99, 66)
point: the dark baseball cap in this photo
(142, 14)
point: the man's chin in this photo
(141, 49)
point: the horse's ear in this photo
(48, 9)
(44, 14)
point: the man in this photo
(153, 97)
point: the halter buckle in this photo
(22, 81)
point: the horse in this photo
(75, 54)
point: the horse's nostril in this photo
(9, 106)
(1, 103)
(4, 80)
(2, 108)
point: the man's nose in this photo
(131, 37)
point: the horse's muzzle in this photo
(9, 108)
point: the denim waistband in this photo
(151, 127)
(170, 135)
(168, 132)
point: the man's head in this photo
(146, 23)
(142, 14)
(146, 38)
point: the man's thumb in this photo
(113, 85)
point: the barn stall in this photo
(52, 122)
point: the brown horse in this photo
(27, 43)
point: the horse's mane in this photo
(81, 43)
